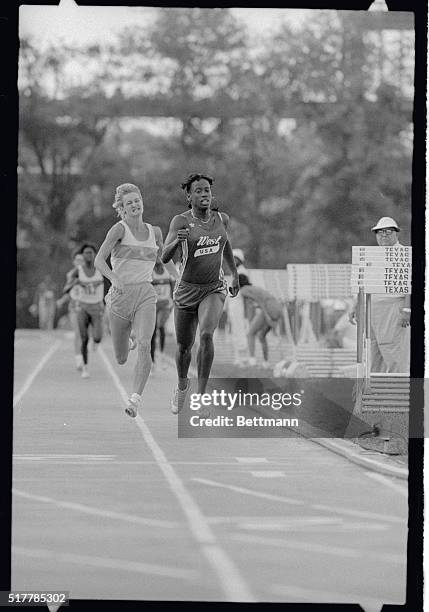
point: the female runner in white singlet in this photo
(134, 246)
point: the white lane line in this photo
(63, 456)
(305, 546)
(116, 461)
(231, 580)
(130, 518)
(252, 459)
(386, 518)
(116, 564)
(69, 459)
(314, 526)
(29, 381)
(287, 500)
(281, 522)
(300, 523)
(323, 549)
(297, 594)
(267, 474)
(389, 483)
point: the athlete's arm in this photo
(171, 269)
(71, 280)
(159, 241)
(229, 258)
(177, 233)
(114, 234)
(169, 266)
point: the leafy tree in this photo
(308, 135)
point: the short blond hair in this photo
(122, 190)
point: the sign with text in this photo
(382, 270)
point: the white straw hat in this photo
(385, 223)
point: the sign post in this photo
(360, 313)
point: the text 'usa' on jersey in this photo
(202, 253)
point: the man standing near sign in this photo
(390, 315)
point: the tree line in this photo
(308, 134)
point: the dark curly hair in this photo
(88, 245)
(197, 176)
(76, 251)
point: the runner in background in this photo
(267, 317)
(71, 293)
(44, 303)
(162, 283)
(89, 304)
(200, 239)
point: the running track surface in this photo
(109, 507)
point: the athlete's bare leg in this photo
(97, 327)
(262, 337)
(75, 328)
(257, 324)
(143, 326)
(209, 312)
(161, 320)
(120, 329)
(185, 323)
(83, 320)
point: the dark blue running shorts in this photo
(188, 296)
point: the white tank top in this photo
(133, 260)
(91, 287)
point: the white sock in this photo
(136, 398)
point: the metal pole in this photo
(368, 337)
(360, 313)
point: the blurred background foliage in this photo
(308, 134)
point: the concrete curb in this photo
(348, 450)
(345, 448)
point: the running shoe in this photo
(79, 362)
(265, 365)
(85, 373)
(134, 403)
(178, 399)
(252, 361)
(132, 343)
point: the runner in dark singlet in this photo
(199, 237)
